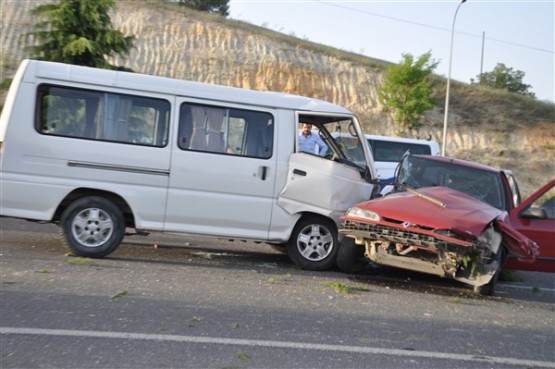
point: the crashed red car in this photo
(535, 218)
(447, 217)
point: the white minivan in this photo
(99, 152)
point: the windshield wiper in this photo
(408, 188)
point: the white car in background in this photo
(388, 152)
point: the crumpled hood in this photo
(459, 211)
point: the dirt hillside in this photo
(491, 127)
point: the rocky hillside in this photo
(492, 127)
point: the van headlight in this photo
(365, 214)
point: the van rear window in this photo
(390, 151)
(103, 116)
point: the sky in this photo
(519, 34)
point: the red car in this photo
(535, 218)
(447, 217)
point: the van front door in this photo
(322, 186)
(222, 172)
(331, 181)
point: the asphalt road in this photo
(168, 301)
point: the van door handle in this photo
(263, 170)
(299, 172)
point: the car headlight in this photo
(365, 214)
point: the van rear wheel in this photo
(313, 244)
(93, 226)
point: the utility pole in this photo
(482, 60)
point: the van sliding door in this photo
(222, 172)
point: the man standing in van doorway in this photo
(310, 142)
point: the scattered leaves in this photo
(343, 288)
(80, 261)
(119, 294)
(279, 279)
(455, 300)
(242, 356)
(195, 319)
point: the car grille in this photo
(379, 232)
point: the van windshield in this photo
(346, 141)
(334, 138)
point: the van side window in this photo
(227, 131)
(102, 116)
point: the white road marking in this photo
(277, 344)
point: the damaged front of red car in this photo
(437, 230)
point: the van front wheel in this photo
(93, 227)
(313, 243)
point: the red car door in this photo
(535, 218)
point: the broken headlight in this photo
(365, 214)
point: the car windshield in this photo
(417, 172)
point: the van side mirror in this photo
(534, 213)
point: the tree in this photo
(78, 32)
(211, 6)
(407, 89)
(505, 78)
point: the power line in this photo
(430, 26)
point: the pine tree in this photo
(78, 32)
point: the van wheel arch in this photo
(83, 192)
(313, 243)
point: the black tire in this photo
(93, 227)
(350, 257)
(313, 244)
(489, 288)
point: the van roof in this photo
(141, 82)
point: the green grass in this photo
(279, 279)
(243, 356)
(118, 295)
(345, 289)
(455, 300)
